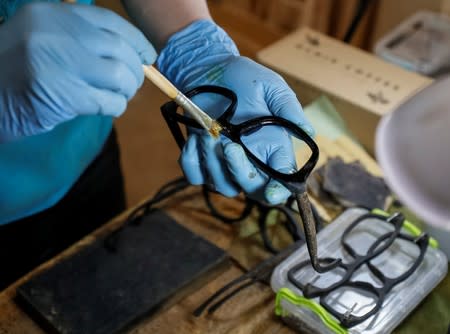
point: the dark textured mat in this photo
(105, 291)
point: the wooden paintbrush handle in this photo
(160, 81)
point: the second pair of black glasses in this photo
(294, 181)
(377, 262)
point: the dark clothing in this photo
(96, 197)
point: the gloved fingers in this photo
(68, 96)
(283, 102)
(212, 160)
(190, 160)
(213, 104)
(242, 169)
(106, 44)
(111, 74)
(201, 165)
(110, 21)
(281, 159)
(275, 193)
(103, 102)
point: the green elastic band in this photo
(285, 293)
(410, 227)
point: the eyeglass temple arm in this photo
(261, 273)
(304, 207)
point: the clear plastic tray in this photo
(420, 43)
(399, 302)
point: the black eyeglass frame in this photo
(350, 320)
(295, 182)
(347, 319)
(311, 291)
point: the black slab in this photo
(100, 291)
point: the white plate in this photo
(413, 150)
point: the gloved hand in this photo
(203, 53)
(58, 61)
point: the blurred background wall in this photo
(149, 153)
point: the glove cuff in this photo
(190, 53)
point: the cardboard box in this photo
(362, 86)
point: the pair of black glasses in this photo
(352, 279)
(294, 181)
(285, 214)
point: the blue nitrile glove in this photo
(58, 61)
(203, 53)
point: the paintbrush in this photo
(211, 125)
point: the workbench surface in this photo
(251, 311)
